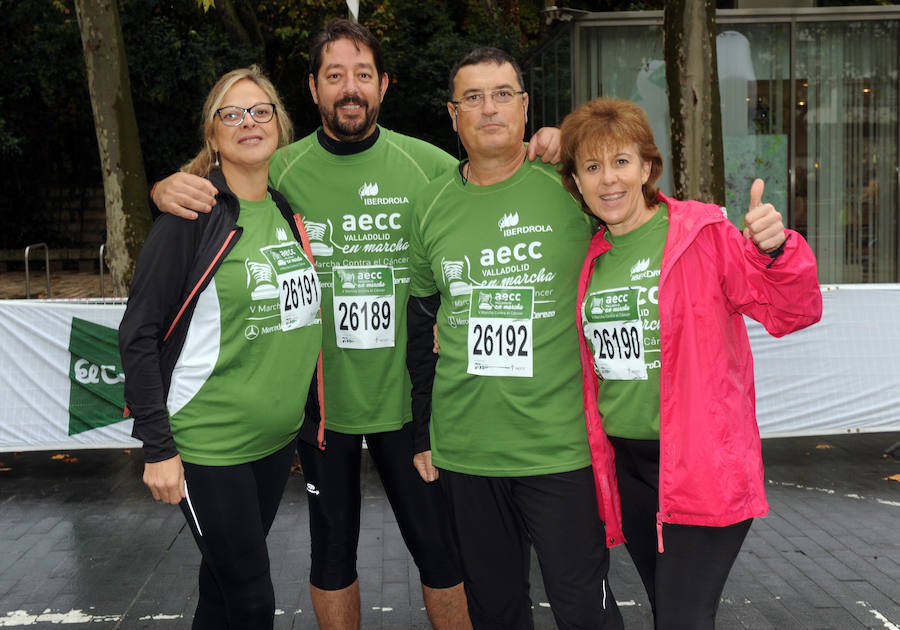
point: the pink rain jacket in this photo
(710, 470)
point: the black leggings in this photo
(333, 487)
(498, 519)
(230, 510)
(685, 582)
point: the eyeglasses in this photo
(476, 99)
(233, 115)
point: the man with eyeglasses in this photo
(353, 182)
(498, 244)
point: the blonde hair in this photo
(609, 123)
(205, 160)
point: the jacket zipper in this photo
(206, 273)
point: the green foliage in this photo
(47, 141)
(421, 41)
(421, 45)
(175, 51)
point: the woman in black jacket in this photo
(219, 343)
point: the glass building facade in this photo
(810, 103)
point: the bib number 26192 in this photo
(500, 332)
(499, 339)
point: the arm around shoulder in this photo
(183, 195)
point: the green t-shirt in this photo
(241, 381)
(620, 319)
(356, 209)
(507, 394)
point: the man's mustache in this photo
(351, 100)
(491, 121)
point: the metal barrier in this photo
(46, 268)
(115, 294)
(102, 251)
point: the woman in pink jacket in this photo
(661, 299)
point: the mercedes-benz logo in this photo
(251, 332)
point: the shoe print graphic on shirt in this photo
(454, 271)
(260, 275)
(321, 239)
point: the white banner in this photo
(61, 381)
(841, 375)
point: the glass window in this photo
(549, 79)
(754, 88)
(846, 144)
(831, 120)
(627, 62)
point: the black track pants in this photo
(685, 582)
(497, 519)
(230, 510)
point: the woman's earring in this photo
(217, 158)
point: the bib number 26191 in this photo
(299, 292)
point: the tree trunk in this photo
(121, 161)
(692, 79)
(239, 20)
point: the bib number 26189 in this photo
(364, 307)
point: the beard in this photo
(349, 130)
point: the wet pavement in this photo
(83, 545)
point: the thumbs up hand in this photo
(762, 222)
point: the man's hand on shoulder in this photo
(184, 195)
(545, 143)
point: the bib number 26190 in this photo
(613, 326)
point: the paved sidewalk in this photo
(82, 544)
(63, 284)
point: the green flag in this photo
(97, 390)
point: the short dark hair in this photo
(485, 54)
(339, 28)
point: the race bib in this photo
(298, 285)
(364, 307)
(614, 329)
(500, 335)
